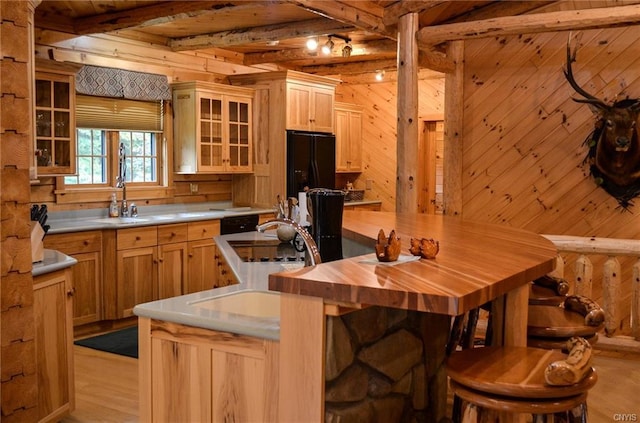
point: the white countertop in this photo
(53, 260)
(253, 276)
(96, 219)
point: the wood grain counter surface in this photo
(477, 262)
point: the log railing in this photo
(612, 281)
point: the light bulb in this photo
(312, 44)
(327, 48)
(380, 75)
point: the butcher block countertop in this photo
(477, 262)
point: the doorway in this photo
(430, 175)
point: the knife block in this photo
(37, 248)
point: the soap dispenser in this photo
(113, 206)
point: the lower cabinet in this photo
(195, 374)
(202, 253)
(86, 247)
(137, 268)
(225, 274)
(52, 296)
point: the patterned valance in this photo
(110, 82)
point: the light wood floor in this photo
(107, 387)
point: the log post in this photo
(408, 128)
(611, 294)
(453, 117)
(584, 276)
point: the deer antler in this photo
(568, 73)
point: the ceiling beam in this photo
(351, 68)
(378, 47)
(347, 14)
(528, 24)
(156, 14)
(424, 61)
(389, 76)
(308, 28)
(393, 12)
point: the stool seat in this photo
(557, 322)
(542, 295)
(517, 405)
(516, 372)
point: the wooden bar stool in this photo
(550, 326)
(502, 381)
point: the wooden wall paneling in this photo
(454, 133)
(524, 135)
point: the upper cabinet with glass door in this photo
(212, 128)
(55, 123)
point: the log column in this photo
(408, 130)
(18, 360)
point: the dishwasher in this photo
(235, 224)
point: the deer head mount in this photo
(614, 146)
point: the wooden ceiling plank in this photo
(308, 28)
(529, 24)
(389, 76)
(346, 13)
(393, 12)
(154, 14)
(283, 55)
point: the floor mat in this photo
(122, 342)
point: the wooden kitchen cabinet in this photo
(309, 106)
(226, 276)
(86, 280)
(172, 260)
(212, 128)
(137, 268)
(202, 256)
(55, 124)
(348, 137)
(283, 100)
(52, 305)
(196, 374)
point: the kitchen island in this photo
(477, 263)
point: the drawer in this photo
(205, 229)
(168, 234)
(137, 237)
(75, 243)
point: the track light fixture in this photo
(380, 75)
(327, 48)
(346, 50)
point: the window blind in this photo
(118, 114)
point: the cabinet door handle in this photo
(138, 238)
(71, 292)
(173, 234)
(161, 260)
(190, 255)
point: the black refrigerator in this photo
(311, 161)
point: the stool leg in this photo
(470, 414)
(456, 413)
(578, 414)
(455, 335)
(470, 331)
(539, 418)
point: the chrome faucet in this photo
(312, 247)
(120, 180)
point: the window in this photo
(105, 123)
(94, 147)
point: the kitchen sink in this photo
(261, 304)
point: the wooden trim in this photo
(92, 195)
(302, 345)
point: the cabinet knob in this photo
(173, 234)
(138, 238)
(161, 260)
(71, 292)
(85, 242)
(190, 255)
